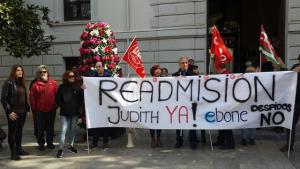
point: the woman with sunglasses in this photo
(69, 98)
(15, 104)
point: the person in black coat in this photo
(15, 104)
(96, 132)
(296, 68)
(69, 98)
(184, 71)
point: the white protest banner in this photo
(233, 101)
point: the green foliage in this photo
(21, 28)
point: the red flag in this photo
(265, 47)
(133, 58)
(218, 49)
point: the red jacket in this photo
(42, 96)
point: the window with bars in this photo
(77, 10)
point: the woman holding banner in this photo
(248, 133)
(155, 71)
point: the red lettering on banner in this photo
(171, 113)
(183, 112)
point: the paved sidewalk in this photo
(264, 155)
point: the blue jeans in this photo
(67, 123)
(250, 132)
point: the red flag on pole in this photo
(218, 49)
(133, 58)
(265, 47)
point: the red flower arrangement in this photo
(98, 44)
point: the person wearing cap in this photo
(42, 101)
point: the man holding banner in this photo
(296, 68)
(184, 71)
(225, 139)
(100, 72)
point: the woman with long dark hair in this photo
(15, 104)
(69, 98)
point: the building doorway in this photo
(239, 23)
(71, 62)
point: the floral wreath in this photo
(98, 44)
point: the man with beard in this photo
(42, 101)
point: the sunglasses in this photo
(70, 76)
(43, 72)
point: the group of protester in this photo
(45, 96)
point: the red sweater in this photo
(42, 96)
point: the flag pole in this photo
(289, 150)
(260, 61)
(209, 133)
(87, 132)
(87, 140)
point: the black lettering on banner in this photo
(105, 91)
(226, 87)
(263, 118)
(123, 114)
(276, 114)
(146, 91)
(153, 117)
(132, 117)
(160, 89)
(226, 116)
(212, 90)
(274, 117)
(190, 84)
(127, 91)
(256, 80)
(237, 115)
(271, 107)
(233, 91)
(145, 114)
(289, 107)
(118, 112)
(253, 108)
(199, 88)
(242, 114)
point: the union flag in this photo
(133, 58)
(265, 47)
(218, 49)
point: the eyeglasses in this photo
(43, 72)
(71, 76)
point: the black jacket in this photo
(9, 96)
(180, 73)
(70, 99)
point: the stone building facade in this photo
(166, 30)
